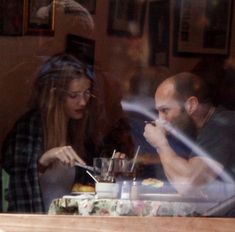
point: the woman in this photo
(60, 129)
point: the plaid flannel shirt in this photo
(21, 151)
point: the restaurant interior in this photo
(136, 44)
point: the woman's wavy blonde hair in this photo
(53, 76)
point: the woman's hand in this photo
(65, 155)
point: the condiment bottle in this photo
(134, 190)
(125, 191)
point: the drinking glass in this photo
(121, 169)
(101, 168)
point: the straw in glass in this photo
(92, 176)
(134, 160)
(110, 162)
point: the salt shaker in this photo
(134, 190)
(125, 191)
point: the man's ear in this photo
(191, 105)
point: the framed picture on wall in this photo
(82, 48)
(126, 17)
(11, 17)
(202, 27)
(74, 7)
(158, 22)
(39, 17)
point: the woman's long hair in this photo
(55, 75)
(108, 124)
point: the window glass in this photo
(152, 82)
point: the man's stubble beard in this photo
(185, 124)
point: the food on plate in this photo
(153, 182)
(77, 187)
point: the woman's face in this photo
(77, 97)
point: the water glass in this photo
(101, 168)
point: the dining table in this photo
(154, 205)
(149, 202)
(156, 211)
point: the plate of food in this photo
(153, 185)
(152, 182)
(157, 190)
(82, 189)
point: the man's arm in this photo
(185, 175)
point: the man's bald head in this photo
(185, 85)
(173, 108)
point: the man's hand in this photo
(155, 134)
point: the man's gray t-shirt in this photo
(217, 138)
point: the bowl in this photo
(107, 190)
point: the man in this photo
(183, 103)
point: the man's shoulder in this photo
(224, 117)
(220, 110)
(221, 125)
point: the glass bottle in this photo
(134, 190)
(125, 191)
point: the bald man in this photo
(183, 103)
